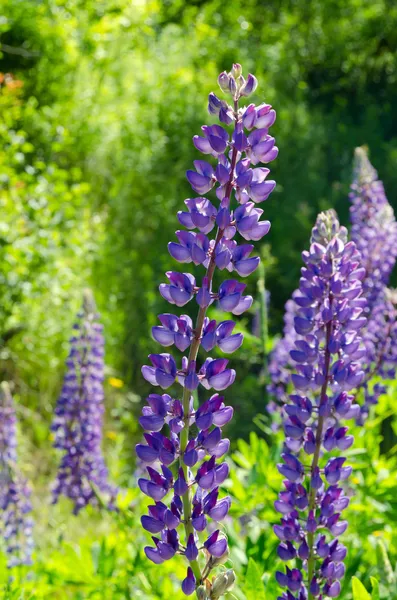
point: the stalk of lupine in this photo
(380, 340)
(15, 523)
(78, 419)
(374, 230)
(184, 445)
(280, 363)
(327, 357)
(374, 227)
(260, 326)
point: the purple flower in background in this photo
(281, 363)
(374, 227)
(183, 446)
(78, 419)
(374, 230)
(380, 340)
(327, 356)
(15, 523)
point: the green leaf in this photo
(375, 588)
(254, 589)
(359, 591)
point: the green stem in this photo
(264, 331)
(316, 456)
(184, 437)
(194, 348)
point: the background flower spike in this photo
(78, 420)
(313, 500)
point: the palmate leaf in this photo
(254, 589)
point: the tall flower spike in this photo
(78, 418)
(328, 321)
(380, 341)
(15, 523)
(374, 227)
(374, 230)
(281, 363)
(185, 466)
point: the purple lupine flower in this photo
(281, 363)
(16, 524)
(78, 418)
(380, 341)
(374, 227)
(179, 331)
(328, 320)
(185, 467)
(374, 230)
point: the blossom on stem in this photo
(15, 523)
(281, 363)
(374, 227)
(328, 320)
(374, 230)
(78, 419)
(183, 446)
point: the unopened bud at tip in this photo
(236, 70)
(223, 81)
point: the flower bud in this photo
(214, 104)
(223, 81)
(232, 86)
(250, 86)
(236, 70)
(201, 593)
(240, 81)
(222, 583)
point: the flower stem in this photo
(194, 348)
(316, 456)
(264, 333)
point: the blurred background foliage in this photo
(99, 100)
(97, 139)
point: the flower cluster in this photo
(374, 227)
(327, 356)
(374, 230)
(281, 364)
(78, 416)
(183, 447)
(380, 340)
(15, 523)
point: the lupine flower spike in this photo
(78, 419)
(281, 364)
(327, 357)
(183, 447)
(374, 230)
(15, 523)
(374, 227)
